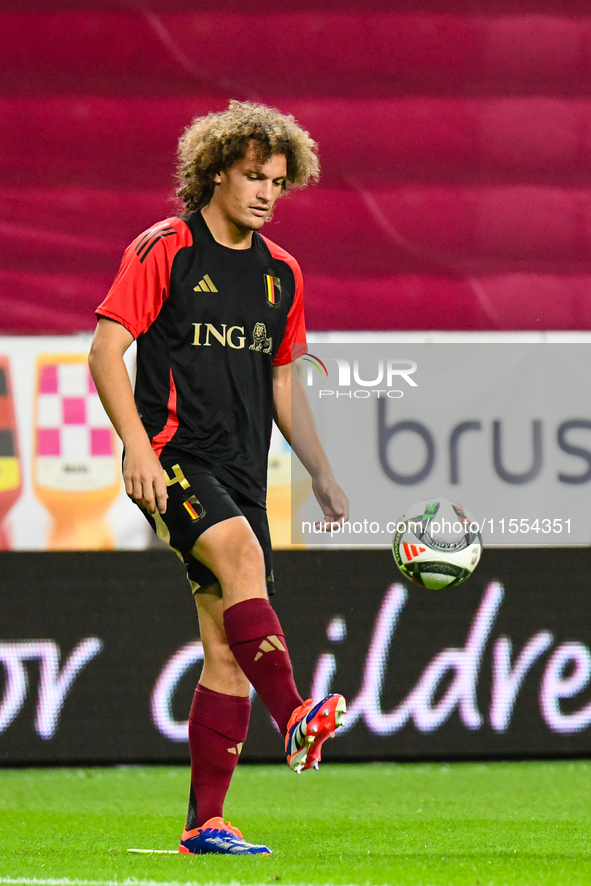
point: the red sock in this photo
(218, 725)
(256, 638)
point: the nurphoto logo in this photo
(387, 372)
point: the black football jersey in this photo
(210, 323)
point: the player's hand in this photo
(144, 479)
(332, 500)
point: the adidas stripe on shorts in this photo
(196, 501)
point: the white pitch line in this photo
(129, 881)
(158, 851)
(66, 881)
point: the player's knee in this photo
(250, 559)
(243, 559)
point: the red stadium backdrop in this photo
(455, 140)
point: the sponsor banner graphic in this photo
(99, 656)
(10, 469)
(504, 429)
(60, 460)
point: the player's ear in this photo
(217, 179)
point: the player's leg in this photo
(205, 527)
(220, 711)
(221, 672)
(242, 561)
(231, 551)
(219, 717)
(254, 634)
(218, 724)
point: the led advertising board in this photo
(100, 656)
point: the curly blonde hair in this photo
(211, 144)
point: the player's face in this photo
(247, 192)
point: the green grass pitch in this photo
(430, 824)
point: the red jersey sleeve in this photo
(143, 283)
(293, 344)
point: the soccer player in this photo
(216, 309)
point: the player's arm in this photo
(289, 400)
(142, 471)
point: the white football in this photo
(437, 543)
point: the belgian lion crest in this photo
(260, 342)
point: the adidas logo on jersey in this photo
(205, 285)
(270, 644)
(237, 749)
